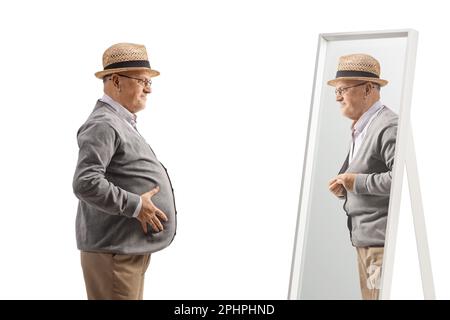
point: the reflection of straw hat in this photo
(358, 66)
(125, 57)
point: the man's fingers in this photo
(161, 215)
(338, 186)
(154, 226)
(331, 181)
(158, 224)
(152, 192)
(335, 185)
(340, 191)
(340, 181)
(337, 189)
(144, 226)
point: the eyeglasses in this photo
(341, 91)
(143, 82)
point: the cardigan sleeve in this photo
(98, 143)
(380, 183)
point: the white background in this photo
(228, 118)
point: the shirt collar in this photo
(121, 110)
(362, 122)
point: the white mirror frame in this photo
(404, 156)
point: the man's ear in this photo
(115, 80)
(368, 87)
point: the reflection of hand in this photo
(347, 180)
(342, 183)
(336, 188)
(150, 213)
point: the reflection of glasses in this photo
(341, 91)
(142, 82)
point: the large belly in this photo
(143, 178)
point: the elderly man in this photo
(365, 178)
(126, 207)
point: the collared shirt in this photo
(359, 128)
(126, 115)
(129, 118)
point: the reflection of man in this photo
(365, 178)
(122, 187)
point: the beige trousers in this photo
(370, 261)
(110, 276)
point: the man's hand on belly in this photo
(343, 182)
(150, 213)
(336, 188)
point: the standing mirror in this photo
(358, 143)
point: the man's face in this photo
(134, 92)
(351, 98)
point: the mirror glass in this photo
(325, 263)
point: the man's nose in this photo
(148, 90)
(339, 98)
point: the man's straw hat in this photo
(358, 66)
(125, 57)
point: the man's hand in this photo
(336, 188)
(150, 213)
(342, 183)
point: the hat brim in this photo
(381, 82)
(103, 73)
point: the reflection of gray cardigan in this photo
(367, 206)
(115, 166)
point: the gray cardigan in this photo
(367, 206)
(115, 166)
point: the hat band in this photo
(349, 73)
(129, 64)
